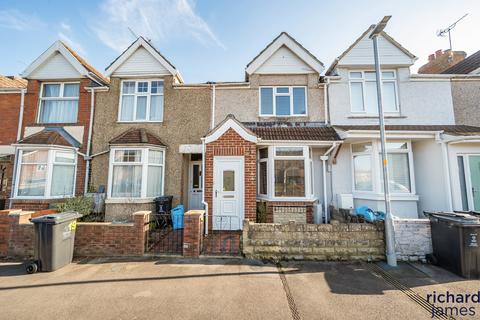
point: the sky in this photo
(213, 40)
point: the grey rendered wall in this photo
(243, 102)
(186, 120)
(420, 102)
(466, 102)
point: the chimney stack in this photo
(442, 60)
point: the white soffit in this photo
(231, 124)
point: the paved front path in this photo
(201, 289)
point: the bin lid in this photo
(458, 218)
(57, 218)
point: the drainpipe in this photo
(446, 171)
(325, 100)
(20, 115)
(203, 186)
(14, 177)
(212, 122)
(89, 141)
(324, 159)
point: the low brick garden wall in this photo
(91, 239)
(336, 241)
(413, 239)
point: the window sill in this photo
(373, 116)
(381, 197)
(54, 124)
(129, 200)
(42, 198)
(142, 122)
(271, 116)
(286, 199)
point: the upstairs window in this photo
(59, 103)
(363, 92)
(141, 101)
(283, 101)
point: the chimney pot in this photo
(438, 53)
(431, 57)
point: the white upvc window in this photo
(363, 92)
(285, 173)
(283, 101)
(141, 101)
(136, 173)
(368, 170)
(45, 173)
(58, 102)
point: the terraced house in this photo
(54, 128)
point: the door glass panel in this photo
(228, 180)
(463, 183)
(474, 162)
(196, 176)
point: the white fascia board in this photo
(230, 123)
(284, 40)
(57, 46)
(375, 134)
(140, 42)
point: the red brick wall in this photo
(30, 115)
(9, 111)
(272, 204)
(193, 233)
(232, 144)
(91, 239)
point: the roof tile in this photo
(137, 136)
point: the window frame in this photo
(144, 163)
(41, 98)
(141, 94)
(49, 175)
(363, 80)
(377, 169)
(264, 160)
(274, 101)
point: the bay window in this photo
(284, 172)
(368, 169)
(46, 173)
(141, 101)
(136, 173)
(283, 101)
(363, 92)
(59, 103)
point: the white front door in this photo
(195, 189)
(228, 193)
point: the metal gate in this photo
(161, 237)
(219, 239)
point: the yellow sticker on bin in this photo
(73, 225)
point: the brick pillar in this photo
(141, 219)
(193, 233)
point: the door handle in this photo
(216, 192)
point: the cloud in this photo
(158, 20)
(16, 20)
(72, 43)
(65, 26)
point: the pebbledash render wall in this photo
(335, 241)
(186, 119)
(243, 100)
(466, 97)
(30, 116)
(232, 144)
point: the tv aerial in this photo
(443, 32)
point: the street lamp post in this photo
(389, 230)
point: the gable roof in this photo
(52, 136)
(368, 31)
(77, 62)
(466, 66)
(230, 122)
(12, 82)
(284, 39)
(141, 42)
(137, 136)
